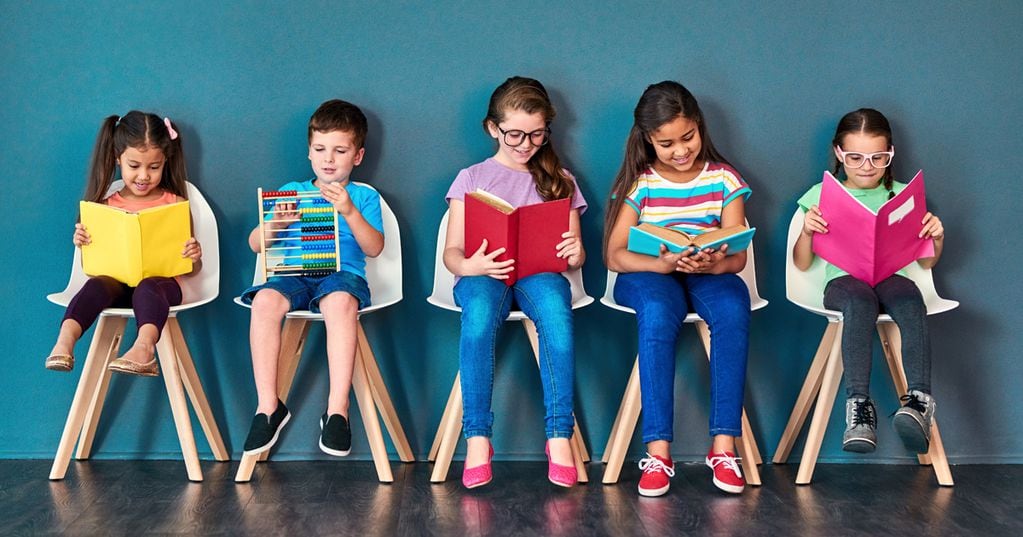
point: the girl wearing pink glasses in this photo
(864, 152)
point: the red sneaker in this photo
(727, 475)
(656, 473)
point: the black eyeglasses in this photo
(515, 137)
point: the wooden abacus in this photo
(311, 249)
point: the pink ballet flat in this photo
(477, 476)
(560, 475)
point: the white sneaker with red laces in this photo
(656, 474)
(727, 475)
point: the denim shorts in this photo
(306, 293)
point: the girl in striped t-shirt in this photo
(672, 176)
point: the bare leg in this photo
(340, 315)
(477, 451)
(561, 451)
(142, 351)
(723, 443)
(661, 448)
(70, 332)
(268, 310)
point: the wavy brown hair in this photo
(661, 103)
(528, 95)
(139, 130)
(866, 121)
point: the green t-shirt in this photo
(873, 198)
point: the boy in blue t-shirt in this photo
(337, 131)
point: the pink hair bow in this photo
(170, 130)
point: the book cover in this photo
(872, 246)
(647, 239)
(530, 234)
(132, 246)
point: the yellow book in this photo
(132, 246)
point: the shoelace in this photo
(652, 464)
(731, 463)
(912, 401)
(863, 413)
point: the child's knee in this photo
(270, 302)
(339, 303)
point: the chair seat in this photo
(306, 314)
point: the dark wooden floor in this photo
(344, 498)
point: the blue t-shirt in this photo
(366, 200)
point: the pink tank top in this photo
(119, 201)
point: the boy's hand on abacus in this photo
(932, 227)
(285, 210)
(81, 236)
(702, 261)
(193, 250)
(337, 196)
(570, 248)
(813, 222)
(482, 263)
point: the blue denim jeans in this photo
(305, 293)
(661, 302)
(547, 300)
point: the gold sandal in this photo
(60, 362)
(123, 365)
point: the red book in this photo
(530, 234)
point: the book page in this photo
(709, 237)
(492, 200)
(674, 236)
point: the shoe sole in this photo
(733, 489)
(911, 432)
(859, 445)
(653, 493)
(329, 451)
(273, 440)
(477, 485)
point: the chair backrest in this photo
(383, 272)
(444, 282)
(748, 275)
(196, 289)
(806, 288)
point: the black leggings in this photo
(151, 300)
(860, 305)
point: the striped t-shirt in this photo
(694, 206)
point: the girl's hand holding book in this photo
(571, 248)
(193, 250)
(81, 236)
(702, 262)
(932, 227)
(482, 263)
(814, 223)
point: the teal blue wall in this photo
(773, 79)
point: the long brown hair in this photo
(139, 130)
(661, 103)
(866, 121)
(528, 95)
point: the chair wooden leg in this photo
(618, 442)
(891, 342)
(91, 372)
(454, 399)
(746, 445)
(451, 426)
(822, 412)
(292, 339)
(88, 433)
(370, 420)
(618, 418)
(179, 406)
(383, 399)
(196, 394)
(807, 395)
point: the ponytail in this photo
(103, 163)
(638, 155)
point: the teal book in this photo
(647, 239)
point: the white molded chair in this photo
(450, 427)
(176, 364)
(384, 276)
(806, 290)
(628, 412)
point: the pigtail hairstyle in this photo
(867, 121)
(139, 130)
(529, 96)
(661, 103)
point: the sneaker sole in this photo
(273, 440)
(911, 433)
(329, 451)
(733, 489)
(859, 445)
(653, 493)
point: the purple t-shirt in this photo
(514, 186)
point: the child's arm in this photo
(283, 210)
(802, 252)
(193, 250)
(620, 259)
(935, 230)
(709, 261)
(572, 247)
(480, 263)
(369, 239)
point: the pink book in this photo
(872, 246)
